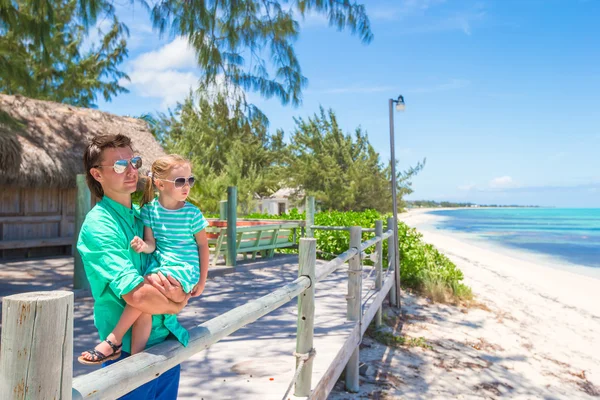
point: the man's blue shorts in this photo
(164, 387)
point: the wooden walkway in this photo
(257, 361)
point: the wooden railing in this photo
(28, 365)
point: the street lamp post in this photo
(399, 107)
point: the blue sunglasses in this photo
(120, 166)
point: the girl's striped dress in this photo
(176, 248)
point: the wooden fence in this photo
(29, 368)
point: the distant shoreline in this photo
(411, 209)
(450, 204)
(425, 221)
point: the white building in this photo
(281, 202)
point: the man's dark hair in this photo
(92, 157)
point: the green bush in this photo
(333, 243)
(422, 266)
(421, 260)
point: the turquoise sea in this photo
(569, 234)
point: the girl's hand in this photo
(197, 290)
(138, 245)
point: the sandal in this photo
(99, 357)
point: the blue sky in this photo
(502, 96)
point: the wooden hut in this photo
(41, 149)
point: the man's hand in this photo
(179, 306)
(138, 245)
(198, 289)
(168, 286)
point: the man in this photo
(114, 269)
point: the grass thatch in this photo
(43, 144)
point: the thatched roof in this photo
(44, 148)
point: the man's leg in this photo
(167, 385)
(145, 392)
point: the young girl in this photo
(174, 234)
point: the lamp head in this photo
(400, 105)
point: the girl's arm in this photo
(202, 242)
(148, 245)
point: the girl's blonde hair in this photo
(160, 170)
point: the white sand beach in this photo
(534, 335)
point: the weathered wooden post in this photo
(310, 216)
(378, 268)
(306, 314)
(391, 259)
(82, 207)
(231, 226)
(354, 300)
(223, 210)
(36, 353)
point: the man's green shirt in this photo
(114, 269)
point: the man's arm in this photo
(104, 249)
(148, 299)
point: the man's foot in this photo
(105, 351)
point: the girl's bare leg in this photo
(140, 333)
(127, 320)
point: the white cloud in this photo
(177, 54)
(170, 85)
(168, 73)
(502, 182)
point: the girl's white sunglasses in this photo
(181, 181)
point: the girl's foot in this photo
(105, 351)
